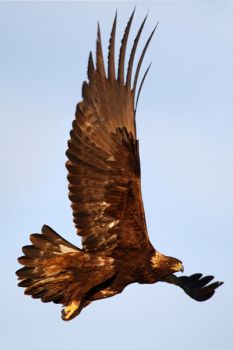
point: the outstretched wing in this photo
(196, 286)
(103, 165)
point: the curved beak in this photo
(179, 267)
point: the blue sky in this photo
(185, 128)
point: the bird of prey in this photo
(105, 192)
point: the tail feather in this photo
(50, 235)
(25, 283)
(33, 252)
(27, 261)
(56, 270)
(41, 243)
(44, 275)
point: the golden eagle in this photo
(105, 191)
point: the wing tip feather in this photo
(132, 53)
(111, 51)
(142, 56)
(90, 67)
(100, 67)
(121, 61)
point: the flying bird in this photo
(105, 191)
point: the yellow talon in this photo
(70, 309)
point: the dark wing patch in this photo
(104, 166)
(198, 287)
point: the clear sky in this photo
(185, 126)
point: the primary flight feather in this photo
(105, 192)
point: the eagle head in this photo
(166, 264)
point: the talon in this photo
(69, 310)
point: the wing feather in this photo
(132, 55)
(121, 63)
(104, 166)
(111, 52)
(99, 54)
(142, 56)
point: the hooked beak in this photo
(179, 267)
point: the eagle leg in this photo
(71, 310)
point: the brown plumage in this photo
(105, 191)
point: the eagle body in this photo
(104, 178)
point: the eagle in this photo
(104, 178)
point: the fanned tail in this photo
(57, 271)
(44, 274)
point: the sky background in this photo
(185, 127)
